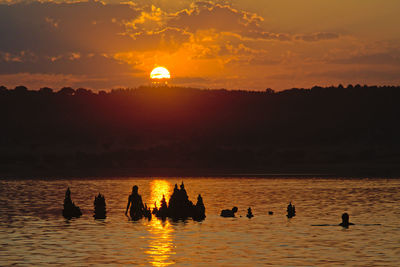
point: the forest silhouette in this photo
(352, 130)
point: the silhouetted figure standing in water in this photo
(291, 210)
(249, 213)
(345, 220)
(99, 207)
(70, 210)
(229, 213)
(136, 204)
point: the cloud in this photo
(54, 28)
(392, 58)
(70, 63)
(319, 36)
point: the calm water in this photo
(33, 231)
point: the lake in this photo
(33, 231)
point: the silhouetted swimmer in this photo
(291, 210)
(229, 213)
(136, 204)
(270, 212)
(99, 207)
(345, 220)
(70, 209)
(249, 213)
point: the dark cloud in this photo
(54, 28)
(319, 36)
(392, 58)
(72, 63)
(207, 15)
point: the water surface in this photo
(33, 231)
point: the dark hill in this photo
(186, 131)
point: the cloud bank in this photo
(204, 44)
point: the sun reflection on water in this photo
(161, 244)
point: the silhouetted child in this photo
(249, 213)
(136, 204)
(345, 220)
(99, 207)
(70, 209)
(229, 213)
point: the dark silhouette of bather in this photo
(229, 213)
(70, 209)
(345, 220)
(99, 207)
(135, 203)
(249, 213)
(270, 212)
(291, 210)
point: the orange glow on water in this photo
(161, 243)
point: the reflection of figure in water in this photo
(229, 213)
(345, 220)
(70, 210)
(99, 207)
(135, 202)
(291, 210)
(249, 213)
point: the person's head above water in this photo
(234, 209)
(345, 218)
(135, 189)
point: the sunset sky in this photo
(239, 44)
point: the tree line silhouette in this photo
(352, 130)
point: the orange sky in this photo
(236, 44)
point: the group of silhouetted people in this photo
(179, 207)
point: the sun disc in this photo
(160, 73)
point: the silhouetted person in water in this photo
(249, 213)
(70, 210)
(291, 210)
(345, 220)
(229, 213)
(270, 212)
(99, 207)
(135, 202)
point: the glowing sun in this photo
(160, 73)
